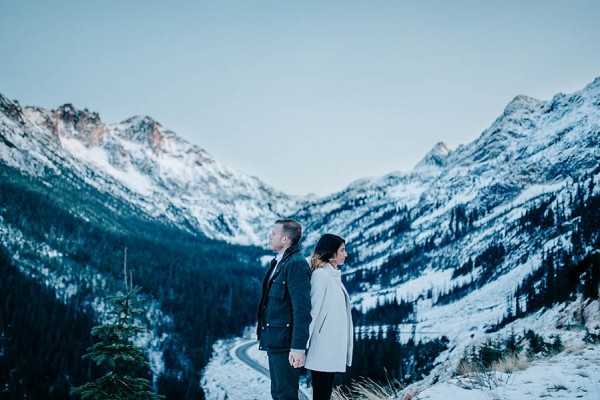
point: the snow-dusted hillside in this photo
(534, 147)
(145, 164)
(572, 374)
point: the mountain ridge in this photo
(465, 237)
(144, 160)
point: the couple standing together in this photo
(304, 317)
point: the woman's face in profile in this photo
(340, 255)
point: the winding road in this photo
(241, 353)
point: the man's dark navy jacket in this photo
(284, 308)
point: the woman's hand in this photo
(297, 359)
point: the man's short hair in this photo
(291, 228)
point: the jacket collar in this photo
(291, 250)
(287, 254)
(331, 271)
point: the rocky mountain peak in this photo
(593, 86)
(520, 118)
(144, 130)
(436, 158)
(521, 104)
(85, 125)
(76, 118)
(12, 109)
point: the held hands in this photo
(297, 359)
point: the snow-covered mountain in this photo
(534, 147)
(532, 143)
(466, 238)
(449, 236)
(456, 236)
(140, 161)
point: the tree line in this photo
(566, 271)
(208, 288)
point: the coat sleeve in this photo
(299, 290)
(318, 290)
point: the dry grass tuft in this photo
(370, 390)
(474, 375)
(512, 363)
(577, 349)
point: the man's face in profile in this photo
(277, 239)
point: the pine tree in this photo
(116, 353)
(550, 295)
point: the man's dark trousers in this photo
(284, 377)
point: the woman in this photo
(331, 331)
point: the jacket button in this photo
(263, 328)
(267, 324)
(287, 324)
(284, 282)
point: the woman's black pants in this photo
(322, 384)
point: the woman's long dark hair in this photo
(325, 250)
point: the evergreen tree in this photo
(512, 345)
(116, 353)
(550, 289)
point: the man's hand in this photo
(297, 359)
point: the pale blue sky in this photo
(306, 95)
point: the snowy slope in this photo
(141, 162)
(572, 374)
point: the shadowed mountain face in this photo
(456, 237)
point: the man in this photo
(284, 310)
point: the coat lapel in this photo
(288, 253)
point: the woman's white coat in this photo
(331, 331)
